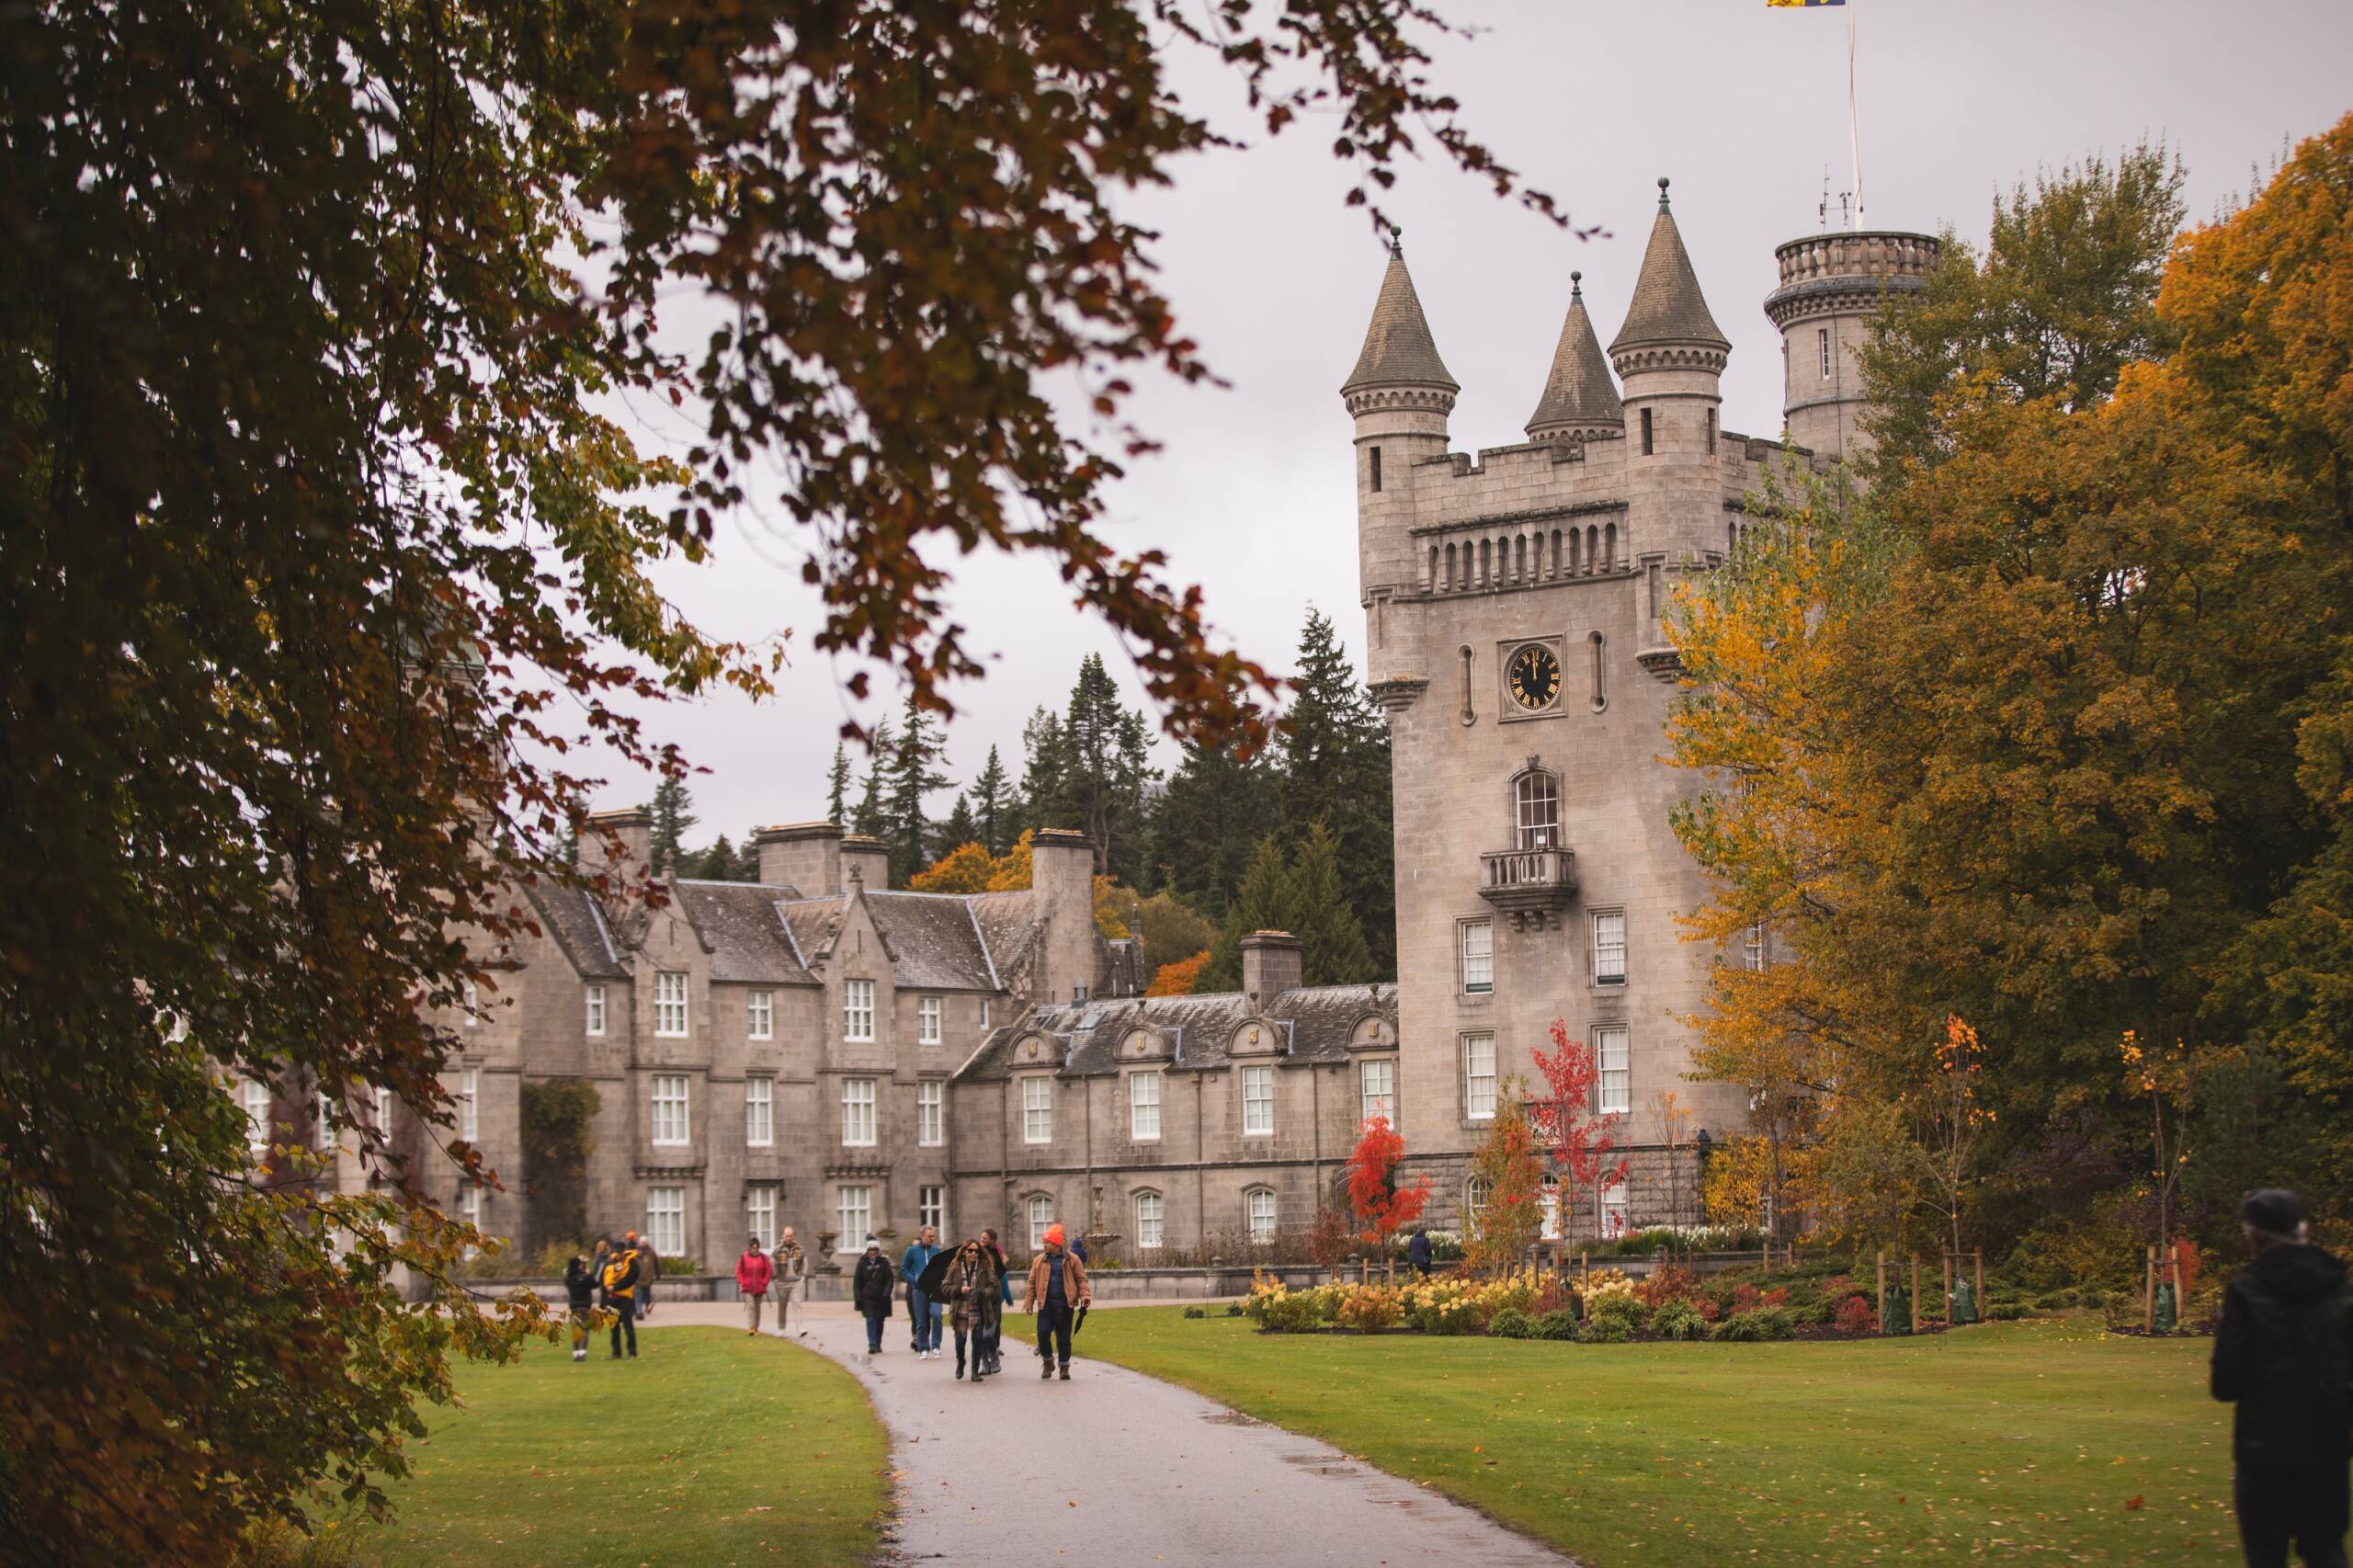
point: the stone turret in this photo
(1670, 357)
(1580, 401)
(1831, 285)
(1400, 394)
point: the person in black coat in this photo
(871, 1289)
(580, 1289)
(1418, 1251)
(2283, 1354)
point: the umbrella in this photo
(933, 1280)
(1078, 1323)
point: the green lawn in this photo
(2026, 1441)
(711, 1448)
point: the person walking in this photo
(2283, 1354)
(1418, 1251)
(621, 1282)
(872, 1287)
(789, 1266)
(973, 1281)
(580, 1292)
(753, 1272)
(1005, 1300)
(1058, 1288)
(926, 1327)
(649, 1269)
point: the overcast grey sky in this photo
(1744, 108)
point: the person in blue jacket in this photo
(924, 1312)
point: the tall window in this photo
(596, 1009)
(760, 1208)
(853, 1212)
(1143, 1106)
(759, 1112)
(1609, 946)
(1377, 1090)
(670, 1004)
(1479, 1077)
(1753, 947)
(928, 1021)
(1536, 803)
(857, 1112)
(474, 1005)
(670, 1107)
(384, 1110)
(1549, 1225)
(1037, 1110)
(256, 1096)
(1478, 957)
(1474, 1196)
(1257, 1102)
(931, 1208)
(470, 1206)
(1376, 467)
(857, 1009)
(1822, 335)
(1612, 1087)
(326, 1123)
(1611, 1209)
(470, 1104)
(759, 1007)
(985, 1012)
(1259, 1211)
(1647, 448)
(931, 1113)
(1041, 1214)
(666, 1219)
(1148, 1213)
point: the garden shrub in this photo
(1632, 1311)
(1707, 1307)
(1195, 1312)
(1779, 1296)
(1606, 1328)
(1560, 1324)
(1369, 1307)
(1746, 1298)
(1509, 1324)
(1673, 1283)
(1234, 1309)
(1854, 1315)
(1678, 1320)
(1746, 1328)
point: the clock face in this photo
(1534, 677)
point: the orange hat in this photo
(1053, 1236)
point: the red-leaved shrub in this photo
(1779, 1296)
(1673, 1283)
(1708, 1308)
(1855, 1316)
(1744, 1298)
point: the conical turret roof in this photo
(1668, 305)
(1579, 391)
(1398, 348)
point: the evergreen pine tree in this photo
(1044, 758)
(568, 847)
(995, 806)
(1336, 771)
(961, 828)
(913, 773)
(1267, 901)
(837, 786)
(671, 816)
(1207, 823)
(868, 818)
(1332, 946)
(1108, 763)
(716, 864)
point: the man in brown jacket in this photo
(791, 1267)
(1058, 1289)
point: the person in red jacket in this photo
(753, 1272)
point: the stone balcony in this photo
(1529, 882)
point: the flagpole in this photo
(1854, 133)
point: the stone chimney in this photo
(1062, 880)
(868, 858)
(803, 856)
(1270, 965)
(633, 825)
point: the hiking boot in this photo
(1045, 1367)
(1065, 1371)
(960, 1371)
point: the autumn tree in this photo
(1576, 1139)
(1507, 1168)
(329, 584)
(1179, 977)
(1381, 1207)
(965, 869)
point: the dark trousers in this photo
(1053, 1333)
(2278, 1504)
(874, 1331)
(624, 1322)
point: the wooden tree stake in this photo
(1882, 1285)
(1916, 1292)
(2149, 1295)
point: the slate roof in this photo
(1398, 348)
(743, 923)
(569, 915)
(1316, 1021)
(1579, 391)
(1668, 305)
(934, 942)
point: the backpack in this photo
(620, 1275)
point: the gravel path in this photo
(1114, 1468)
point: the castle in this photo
(820, 1050)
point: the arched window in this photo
(1451, 578)
(1536, 810)
(1148, 1221)
(1258, 1214)
(1474, 1197)
(1610, 548)
(1556, 553)
(1520, 558)
(1431, 586)
(1576, 555)
(1592, 549)
(1486, 561)
(1041, 1212)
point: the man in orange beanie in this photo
(1058, 1288)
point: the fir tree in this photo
(1336, 771)
(995, 806)
(671, 816)
(1207, 823)
(868, 818)
(1267, 901)
(716, 864)
(1044, 758)
(837, 786)
(912, 773)
(1332, 946)
(961, 828)
(1106, 753)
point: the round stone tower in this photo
(1831, 284)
